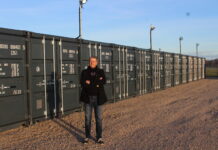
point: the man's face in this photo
(93, 62)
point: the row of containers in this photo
(39, 74)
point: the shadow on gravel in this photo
(79, 134)
(182, 121)
(214, 114)
(212, 78)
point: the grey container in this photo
(41, 76)
(156, 71)
(190, 68)
(91, 48)
(168, 67)
(195, 68)
(176, 69)
(149, 79)
(199, 68)
(184, 69)
(124, 72)
(162, 71)
(53, 78)
(68, 75)
(203, 68)
(180, 69)
(13, 90)
(141, 72)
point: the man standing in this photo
(93, 95)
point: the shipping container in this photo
(13, 90)
(176, 69)
(162, 71)
(190, 68)
(149, 71)
(195, 68)
(199, 68)
(180, 69)
(203, 68)
(184, 69)
(68, 75)
(168, 67)
(40, 74)
(141, 75)
(156, 71)
(124, 72)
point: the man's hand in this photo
(101, 78)
(87, 81)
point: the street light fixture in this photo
(81, 3)
(180, 44)
(151, 29)
(197, 45)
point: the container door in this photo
(190, 68)
(42, 77)
(120, 73)
(130, 72)
(168, 70)
(184, 69)
(68, 76)
(13, 100)
(149, 71)
(162, 86)
(176, 70)
(104, 53)
(199, 68)
(195, 69)
(203, 68)
(156, 71)
(138, 72)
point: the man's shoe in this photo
(100, 141)
(86, 141)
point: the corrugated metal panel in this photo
(184, 69)
(68, 75)
(203, 68)
(156, 70)
(42, 75)
(199, 68)
(149, 71)
(141, 68)
(195, 69)
(162, 71)
(176, 70)
(13, 100)
(168, 58)
(180, 69)
(124, 72)
(190, 68)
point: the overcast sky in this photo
(122, 21)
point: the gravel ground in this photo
(180, 118)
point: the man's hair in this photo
(93, 57)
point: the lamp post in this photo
(151, 29)
(81, 3)
(197, 45)
(180, 44)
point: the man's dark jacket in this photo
(85, 75)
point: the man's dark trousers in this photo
(98, 117)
